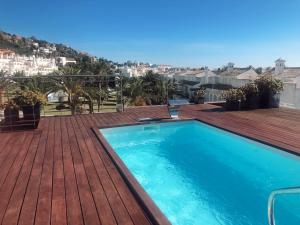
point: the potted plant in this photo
(234, 98)
(269, 91)
(11, 112)
(251, 94)
(30, 102)
(199, 96)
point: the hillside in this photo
(33, 46)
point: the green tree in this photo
(3, 79)
(94, 93)
(4, 83)
(71, 85)
(19, 74)
(133, 89)
(38, 84)
(153, 88)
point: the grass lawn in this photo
(50, 108)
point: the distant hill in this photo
(33, 46)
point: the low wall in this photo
(290, 97)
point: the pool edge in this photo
(251, 138)
(152, 211)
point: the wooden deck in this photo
(60, 173)
(278, 127)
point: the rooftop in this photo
(61, 174)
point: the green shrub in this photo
(200, 93)
(269, 89)
(268, 84)
(32, 98)
(9, 105)
(234, 95)
(250, 90)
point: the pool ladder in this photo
(271, 200)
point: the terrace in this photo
(61, 173)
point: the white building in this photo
(62, 61)
(127, 71)
(290, 97)
(134, 70)
(30, 65)
(215, 82)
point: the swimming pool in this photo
(199, 174)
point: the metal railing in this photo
(271, 201)
(103, 98)
(77, 94)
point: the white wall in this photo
(290, 97)
(232, 80)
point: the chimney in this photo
(206, 74)
(230, 67)
(279, 66)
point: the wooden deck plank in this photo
(43, 212)
(8, 186)
(3, 141)
(29, 205)
(12, 152)
(61, 174)
(14, 207)
(107, 216)
(89, 211)
(59, 216)
(256, 129)
(133, 209)
(74, 212)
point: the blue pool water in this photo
(198, 174)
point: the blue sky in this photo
(177, 32)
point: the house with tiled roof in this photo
(236, 77)
(188, 79)
(218, 81)
(283, 72)
(215, 81)
(249, 75)
(290, 97)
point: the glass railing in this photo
(24, 100)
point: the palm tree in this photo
(133, 89)
(19, 74)
(156, 88)
(71, 85)
(100, 90)
(3, 83)
(92, 93)
(38, 83)
(89, 94)
(3, 78)
(153, 88)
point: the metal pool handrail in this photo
(271, 200)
